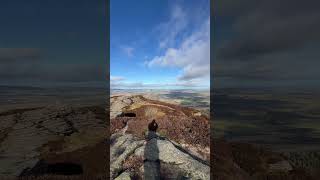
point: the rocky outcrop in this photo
(125, 146)
(122, 146)
(179, 150)
(168, 153)
(27, 134)
(186, 126)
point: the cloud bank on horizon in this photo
(166, 49)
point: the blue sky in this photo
(159, 44)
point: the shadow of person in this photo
(151, 154)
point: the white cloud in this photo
(138, 85)
(126, 85)
(195, 72)
(192, 55)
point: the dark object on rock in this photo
(43, 168)
(128, 114)
(153, 126)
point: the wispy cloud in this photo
(169, 30)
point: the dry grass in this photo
(153, 112)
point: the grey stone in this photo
(283, 166)
(124, 176)
(123, 145)
(166, 152)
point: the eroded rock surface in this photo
(26, 133)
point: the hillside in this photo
(181, 144)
